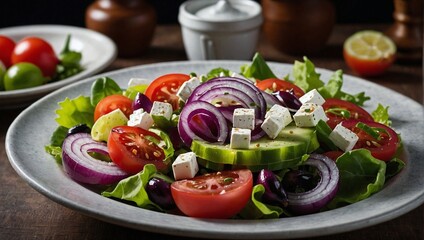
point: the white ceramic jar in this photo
(217, 29)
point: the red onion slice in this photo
(82, 167)
(312, 201)
(194, 108)
(236, 83)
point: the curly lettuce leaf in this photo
(361, 175)
(56, 141)
(255, 209)
(258, 69)
(131, 92)
(102, 88)
(305, 76)
(75, 111)
(381, 115)
(132, 189)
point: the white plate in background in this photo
(98, 52)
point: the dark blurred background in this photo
(71, 12)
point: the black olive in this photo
(80, 128)
(159, 192)
(274, 192)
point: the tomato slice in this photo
(165, 88)
(132, 147)
(275, 84)
(335, 109)
(384, 147)
(213, 195)
(113, 102)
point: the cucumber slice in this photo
(292, 143)
(288, 163)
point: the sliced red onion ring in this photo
(270, 99)
(236, 83)
(194, 108)
(82, 167)
(312, 201)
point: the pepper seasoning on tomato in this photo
(383, 146)
(338, 110)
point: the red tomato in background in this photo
(131, 148)
(213, 195)
(165, 88)
(113, 102)
(275, 84)
(6, 49)
(333, 107)
(38, 52)
(383, 148)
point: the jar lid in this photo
(219, 15)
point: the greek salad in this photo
(224, 144)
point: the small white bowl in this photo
(229, 37)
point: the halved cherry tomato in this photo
(275, 84)
(165, 88)
(338, 110)
(132, 147)
(38, 52)
(6, 48)
(213, 195)
(383, 148)
(112, 102)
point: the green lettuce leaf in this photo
(361, 175)
(305, 76)
(75, 111)
(132, 189)
(132, 91)
(381, 115)
(55, 151)
(255, 209)
(258, 69)
(393, 167)
(103, 87)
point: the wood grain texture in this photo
(26, 214)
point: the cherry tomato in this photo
(213, 195)
(113, 102)
(383, 148)
(338, 110)
(6, 48)
(165, 88)
(275, 84)
(23, 75)
(37, 51)
(132, 147)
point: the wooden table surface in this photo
(27, 214)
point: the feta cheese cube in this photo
(161, 109)
(276, 119)
(140, 118)
(309, 115)
(187, 88)
(240, 138)
(312, 96)
(244, 118)
(185, 166)
(137, 81)
(343, 138)
(281, 113)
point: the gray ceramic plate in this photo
(30, 131)
(98, 51)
